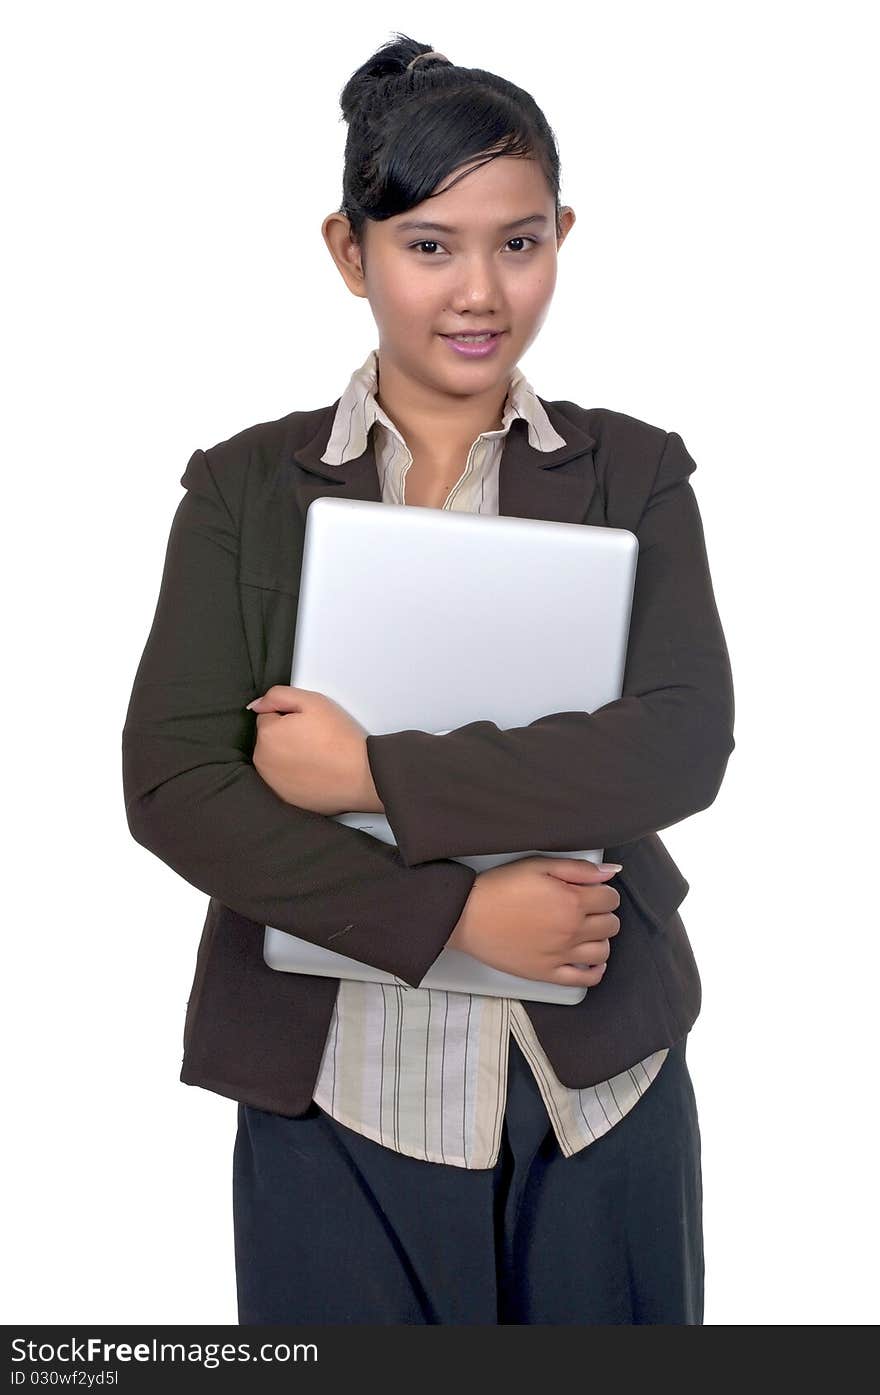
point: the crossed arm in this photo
(195, 798)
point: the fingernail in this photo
(250, 704)
(609, 866)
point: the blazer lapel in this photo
(557, 485)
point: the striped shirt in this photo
(420, 1070)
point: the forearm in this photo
(222, 829)
(572, 780)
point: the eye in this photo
(427, 243)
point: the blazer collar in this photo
(529, 484)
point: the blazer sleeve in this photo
(576, 780)
(195, 800)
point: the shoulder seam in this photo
(236, 520)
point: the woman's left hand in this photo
(312, 752)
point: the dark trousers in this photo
(331, 1227)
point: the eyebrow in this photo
(414, 225)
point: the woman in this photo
(441, 1158)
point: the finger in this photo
(279, 698)
(600, 925)
(593, 896)
(579, 975)
(590, 952)
(267, 719)
(581, 870)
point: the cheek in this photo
(544, 282)
(404, 314)
(537, 295)
(399, 291)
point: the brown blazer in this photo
(223, 633)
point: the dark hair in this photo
(409, 128)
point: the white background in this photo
(168, 168)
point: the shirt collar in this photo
(358, 410)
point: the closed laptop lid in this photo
(424, 618)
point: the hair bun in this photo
(431, 53)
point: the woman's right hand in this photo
(546, 918)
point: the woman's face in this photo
(488, 267)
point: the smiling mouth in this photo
(475, 338)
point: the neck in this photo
(438, 429)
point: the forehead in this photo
(492, 196)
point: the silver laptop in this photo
(459, 617)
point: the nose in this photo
(476, 289)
